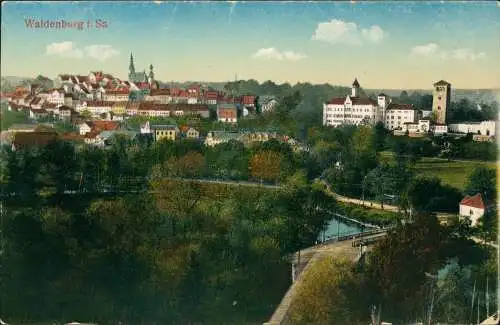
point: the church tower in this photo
(131, 69)
(151, 74)
(441, 100)
(355, 88)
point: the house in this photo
(36, 103)
(169, 132)
(396, 115)
(91, 138)
(351, 110)
(146, 128)
(180, 97)
(152, 109)
(267, 103)
(210, 97)
(439, 128)
(117, 95)
(13, 107)
(486, 128)
(23, 140)
(56, 96)
(216, 137)
(227, 113)
(189, 110)
(38, 113)
(189, 132)
(97, 108)
(119, 108)
(161, 96)
(473, 207)
(248, 101)
(194, 91)
(97, 126)
(80, 105)
(65, 113)
(84, 128)
(421, 127)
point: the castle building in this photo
(441, 100)
(351, 110)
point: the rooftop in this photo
(475, 201)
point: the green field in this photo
(453, 172)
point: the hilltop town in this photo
(181, 181)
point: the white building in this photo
(216, 137)
(396, 115)
(84, 128)
(439, 128)
(97, 108)
(351, 110)
(472, 207)
(56, 97)
(161, 96)
(487, 128)
(116, 95)
(146, 128)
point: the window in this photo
(439, 107)
(439, 97)
(471, 212)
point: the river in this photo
(337, 227)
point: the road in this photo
(368, 204)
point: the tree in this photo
(379, 136)
(266, 165)
(427, 194)
(326, 295)
(86, 115)
(380, 182)
(482, 180)
(397, 265)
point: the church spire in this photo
(151, 73)
(131, 66)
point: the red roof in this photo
(103, 125)
(248, 100)
(159, 92)
(123, 91)
(394, 106)
(475, 201)
(227, 112)
(210, 95)
(98, 103)
(354, 100)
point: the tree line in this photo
(182, 253)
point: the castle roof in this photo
(441, 83)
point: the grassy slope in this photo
(454, 172)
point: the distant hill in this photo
(9, 83)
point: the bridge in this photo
(350, 246)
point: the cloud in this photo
(433, 50)
(69, 49)
(64, 49)
(101, 52)
(428, 50)
(339, 31)
(467, 54)
(272, 53)
(373, 34)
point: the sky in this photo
(386, 45)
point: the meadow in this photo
(451, 172)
